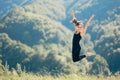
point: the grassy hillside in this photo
(60, 77)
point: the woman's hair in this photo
(74, 21)
(79, 23)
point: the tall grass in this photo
(31, 76)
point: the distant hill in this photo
(45, 36)
(36, 7)
(6, 5)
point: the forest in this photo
(36, 37)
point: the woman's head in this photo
(79, 24)
(74, 20)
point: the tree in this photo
(100, 66)
(19, 69)
(1, 66)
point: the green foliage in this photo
(6, 69)
(100, 66)
(107, 44)
(19, 69)
(45, 8)
(1, 66)
(87, 45)
(51, 35)
(17, 51)
(31, 76)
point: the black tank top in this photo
(76, 39)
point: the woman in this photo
(78, 34)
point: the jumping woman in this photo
(80, 31)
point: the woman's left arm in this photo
(88, 23)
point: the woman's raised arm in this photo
(88, 23)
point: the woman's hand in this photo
(74, 20)
(73, 14)
(92, 17)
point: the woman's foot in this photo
(88, 54)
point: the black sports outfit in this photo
(76, 48)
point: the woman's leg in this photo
(82, 56)
(75, 53)
(77, 57)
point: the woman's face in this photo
(80, 26)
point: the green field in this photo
(31, 76)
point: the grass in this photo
(30, 76)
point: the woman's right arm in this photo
(74, 20)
